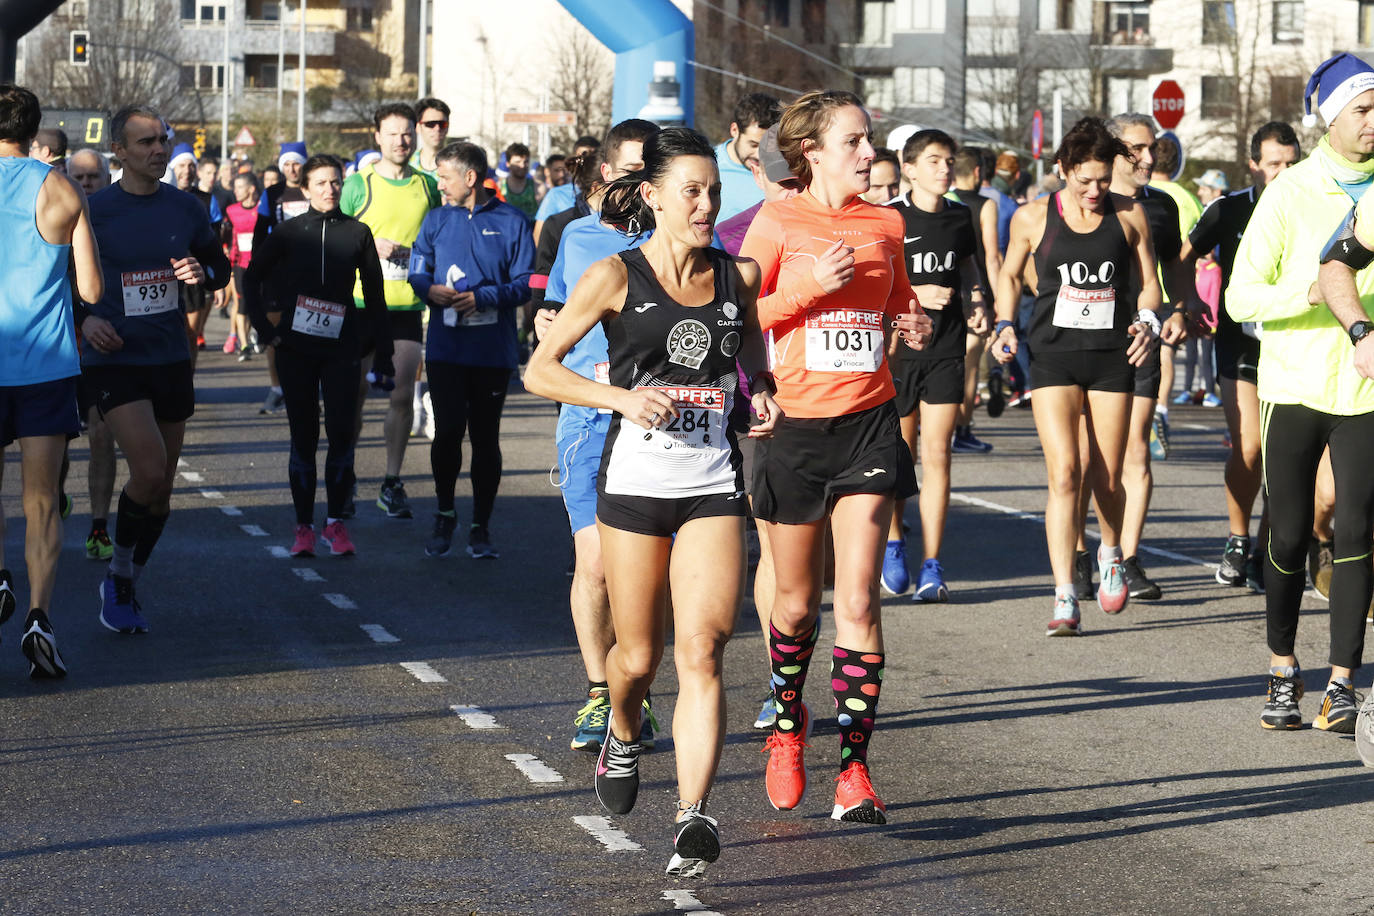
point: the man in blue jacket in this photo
(471, 265)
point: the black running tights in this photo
(1294, 437)
(303, 378)
(467, 400)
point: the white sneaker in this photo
(427, 410)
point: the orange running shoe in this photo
(785, 777)
(855, 799)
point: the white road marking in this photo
(601, 830)
(231, 510)
(536, 770)
(192, 476)
(342, 602)
(181, 462)
(378, 632)
(278, 551)
(1040, 519)
(687, 902)
(308, 574)
(475, 718)
(253, 531)
(423, 673)
(1199, 426)
(212, 494)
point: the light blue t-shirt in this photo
(556, 200)
(738, 190)
(37, 336)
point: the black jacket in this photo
(317, 255)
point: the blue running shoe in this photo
(591, 723)
(648, 724)
(896, 577)
(118, 609)
(932, 587)
(768, 713)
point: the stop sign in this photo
(1168, 104)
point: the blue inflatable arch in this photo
(640, 32)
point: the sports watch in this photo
(1360, 330)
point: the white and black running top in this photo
(1085, 300)
(688, 352)
(935, 246)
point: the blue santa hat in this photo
(291, 152)
(1336, 81)
(364, 158)
(182, 151)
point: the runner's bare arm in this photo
(753, 356)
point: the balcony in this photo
(205, 41)
(1130, 52)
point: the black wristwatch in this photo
(1359, 331)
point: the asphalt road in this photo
(261, 751)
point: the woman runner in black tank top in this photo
(677, 317)
(1086, 338)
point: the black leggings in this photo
(467, 399)
(1294, 437)
(303, 378)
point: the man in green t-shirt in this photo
(518, 189)
(392, 198)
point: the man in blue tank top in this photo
(135, 356)
(45, 225)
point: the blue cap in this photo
(180, 152)
(293, 151)
(1336, 81)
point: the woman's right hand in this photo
(834, 268)
(101, 334)
(646, 407)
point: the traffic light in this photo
(199, 146)
(80, 56)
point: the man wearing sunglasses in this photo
(432, 129)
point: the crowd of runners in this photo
(761, 333)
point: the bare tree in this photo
(367, 81)
(581, 81)
(135, 58)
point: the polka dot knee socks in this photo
(857, 679)
(791, 657)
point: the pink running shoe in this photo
(231, 344)
(1112, 592)
(304, 545)
(336, 536)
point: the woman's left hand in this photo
(769, 414)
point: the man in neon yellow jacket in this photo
(1312, 396)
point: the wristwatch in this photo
(1359, 331)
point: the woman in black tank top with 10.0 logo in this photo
(1087, 337)
(677, 316)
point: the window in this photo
(923, 15)
(778, 13)
(1057, 15)
(1289, 18)
(1285, 97)
(260, 72)
(203, 10)
(1366, 23)
(875, 28)
(919, 87)
(1219, 96)
(1127, 93)
(1129, 23)
(993, 40)
(1218, 22)
(813, 21)
(202, 76)
(879, 92)
(359, 19)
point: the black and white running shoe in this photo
(617, 773)
(40, 647)
(696, 844)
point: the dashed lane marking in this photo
(687, 902)
(253, 531)
(212, 494)
(306, 573)
(423, 673)
(378, 632)
(534, 769)
(1040, 519)
(601, 830)
(192, 476)
(475, 718)
(278, 551)
(231, 510)
(342, 602)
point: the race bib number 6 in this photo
(148, 292)
(1085, 309)
(844, 340)
(317, 318)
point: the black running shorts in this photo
(930, 381)
(170, 388)
(809, 463)
(1238, 358)
(662, 518)
(1147, 376)
(42, 409)
(1091, 370)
